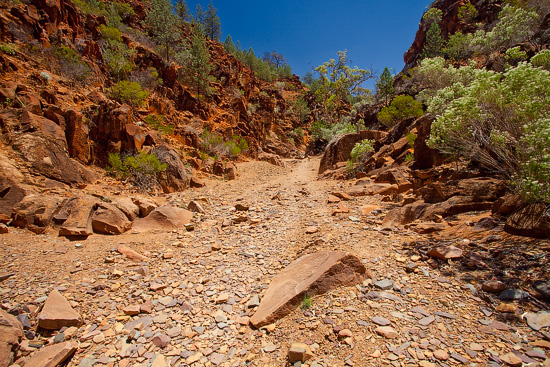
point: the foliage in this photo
(499, 121)
(148, 79)
(514, 55)
(129, 92)
(163, 25)
(182, 10)
(307, 302)
(515, 25)
(384, 86)
(432, 15)
(434, 42)
(262, 68)
(542, 59)
(400, 108)
(411, 138)
(141, 169)
(311, 82)
(300, 108)
(214, 145)
(70, 63)
(212, 24)
(116, 54)
(459, 46)
(274, 58)
(360, 150)
(320, 130)
(467, 13)
(8, 49)
(337, 82)
(197, 64)
(157, 122)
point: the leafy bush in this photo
(400, 108)
(542, 59)
(116, 54)
(148, 79)
(515, 55)
(360, 150)
(70, 64)
(8, 49)
(141, 169)
(459, 46)
(110, 33)
(467, 13)
(157, 122)
(300, 108)
(129, 92)
(499, 121)
(316, 129)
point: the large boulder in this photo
(164, 217)
(11, 334)
(176, 177)
(42, 143)
(77, 132)
(479, 189)
(533, 220)
(79, 220)
(424, 156)
(36, 212)
(310, 275)
(10, 195)
(108, 219)
(339, 149)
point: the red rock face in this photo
(450, 23)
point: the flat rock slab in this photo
(537, 321)
(53, 355)
(131, 254)
(79, 222)
(108, 219)
(11, 334)
(446, 252)
(310, 275)
(57, 312)
(164, 217)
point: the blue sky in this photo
(308, 33)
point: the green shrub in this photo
(316, 129)
(300, 108)
(140, 169)
(411, 138)
(515, 55)
(8, 49)
(542, 59)
(157, 122)
(129, 92)
(467, 13)
(499, 121)
(360, 150)
(400, 108)
(148, 79)
(70, 63)
(299, 133)
(459, 46)
(515, 25)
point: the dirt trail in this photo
(437, 319)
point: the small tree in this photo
(338, 81)
(275, 59)
(385, 85)
(401, 108)
(182, 11)
(229, 46)
(208, 21)
(198, 65)
(434, 40)
(163, 25)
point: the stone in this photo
(35, 211)
(108, 219)
(538, 321)
(299, 352)
(513, 294)
(196, 182)
(384, 284)
(145, 205)
(176, 176)
(53, 355)
(11, 335)
(530, 221)
(312, 230)
(380, 321)
(543, 288)
(446, 252)
(131, 254)
(4, 228)
(132, 310)
(341, 195)
(493, 286)
(387, 332)
(79, 221)
(511, 360)
(441, 355)
(164, 217)
(158, 361)
(57, 313)
(195, 207)
(311, 275)
(161, 340)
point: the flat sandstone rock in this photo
(52, 355)
(310, 275)
(57, 312)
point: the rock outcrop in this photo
(308, 276)
(11, 334)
